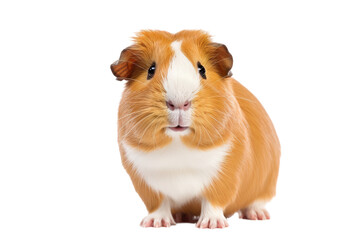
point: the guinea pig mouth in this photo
(178, 128)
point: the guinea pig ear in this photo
(221, 59)
(125, 67)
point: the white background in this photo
(60, 171)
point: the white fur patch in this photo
(181, 85)
(178, 172)
(182, 81)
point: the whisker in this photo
(226, 97)
(146, 130)
(200, 136)
(129, 114)
(131, 119)
(135, 126)
(207, 132)
(216, 128)
(154, 139)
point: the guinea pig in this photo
(197, 145)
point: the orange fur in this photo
(224, 111)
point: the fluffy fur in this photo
(225, 162)
(182, 176)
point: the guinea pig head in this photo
(177, 87)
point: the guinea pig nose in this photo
(184, 106)
(170, 105)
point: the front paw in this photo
(211, 217)
(212, 222)
(153, 220)
(161, 217)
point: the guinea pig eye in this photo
(151, 71)
(201, 70)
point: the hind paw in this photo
(254, 212)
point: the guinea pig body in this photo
(195, 142)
